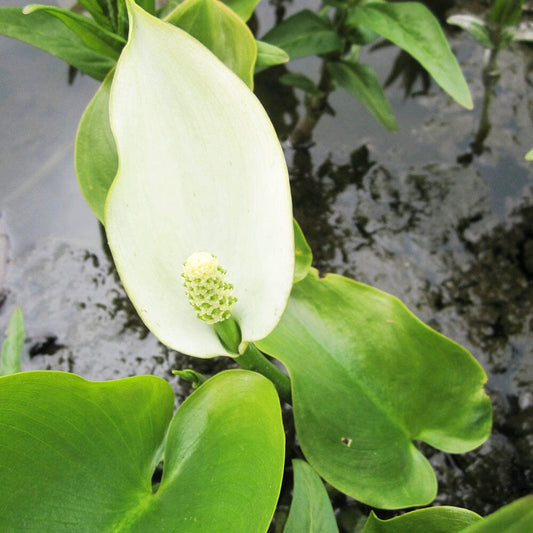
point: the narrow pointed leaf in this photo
(50, 34)
(79, 456)
(269, 55)
(474, 26)
(13, 344)
(304, 34)
(434, 519)
(97, 12)
(311, 510)
(362, 83)
(412, 27)
(221, 30)
(200, 169)
(529, 155)
(506, 12)
(368, 380)
(300, 81)
(91, 34)
(95, 155)
(303, 254)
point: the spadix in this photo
(200, 170)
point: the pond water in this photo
(413, 213)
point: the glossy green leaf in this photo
(269, 55)
(13, 344)
(243, 8)
(201, 168)
(48, 33)
(412, 27)
(79, 456)
(304, 34)
(368, 380)
(506, 12)
(474, 26)
(311, 510)
(302, 252)
(516, 517)
(362, 83)
(220, 29)
(91, 34)
(431, 519)
(95, 154)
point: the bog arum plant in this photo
(200, 170)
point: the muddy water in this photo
(414, 213)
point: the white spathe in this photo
(200, 170)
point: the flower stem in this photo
(253, 359)
(229, 333)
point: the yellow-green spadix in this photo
(200, 171)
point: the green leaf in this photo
(311, 510)
(243, 8)
(412, 27)
(369, 379)
(516, 517)
(362, 83)
(48, 33)
(300, 81)
(218, 28)
(91, 34)
(79, 456)
(269, 55)
(192, 376)
(432, 519)
(303, 254)
(13, 344)
(147, 5)
(201, 167)
(529, 155)
(95, 155)
(475, 27)
(505, 12)
(98, 13)
(305, 34)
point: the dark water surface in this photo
(413, 213)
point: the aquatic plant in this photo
(200, 207)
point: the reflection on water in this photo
(455, 242)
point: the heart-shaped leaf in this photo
(369, 379)
(79, 456)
